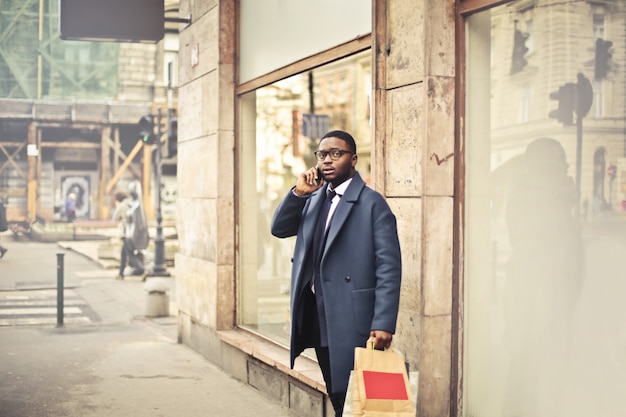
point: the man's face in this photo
(336, 172)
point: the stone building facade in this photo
(446, 108)
(413, 111)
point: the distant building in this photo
(69, 112)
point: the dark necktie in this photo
(320, 231)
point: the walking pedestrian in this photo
(137, 230)
(131, 217)
(346, 272)
(122, 203)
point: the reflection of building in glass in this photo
(561, 44)
(545, 225)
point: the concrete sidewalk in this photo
(120, 364)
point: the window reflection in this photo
(280, 129)
(545, 210)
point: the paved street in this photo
(108, 359)
(28, 281)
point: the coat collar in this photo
(351, 193)
(350, 197)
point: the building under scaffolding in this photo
(69, 113)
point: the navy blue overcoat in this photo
(360, 269)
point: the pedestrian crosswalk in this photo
(39, 307)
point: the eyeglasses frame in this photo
(327, 153)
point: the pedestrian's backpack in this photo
(137, 230)
(4, 226)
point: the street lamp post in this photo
(159, 269)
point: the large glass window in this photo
(280, 128)
(545, 210)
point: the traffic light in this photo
(566, 96)
(584, 96)
(520, 49)
(603, 56)
(172, 137)
(146, 130)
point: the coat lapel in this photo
(310, 220)
(346, 203)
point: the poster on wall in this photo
(80, 186)
(168, 197)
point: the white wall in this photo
(274, 33)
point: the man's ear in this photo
(354, 160)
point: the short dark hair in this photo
(344, 136)
(120, 196)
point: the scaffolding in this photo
(69, 109)
(36, 64)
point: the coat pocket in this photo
(363, 309)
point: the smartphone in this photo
(318, 180)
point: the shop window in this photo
(598, 26)
(280, 127)
(545, 214)
(530, 41)
(598, 98)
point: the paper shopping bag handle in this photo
(371, 342)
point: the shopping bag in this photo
(353, 402)
(380, 384)
(348, 407)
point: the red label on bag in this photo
(384, 386)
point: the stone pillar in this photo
(414, 42)
(205, 263)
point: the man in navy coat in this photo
(346, 272)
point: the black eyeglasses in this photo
(334, 153)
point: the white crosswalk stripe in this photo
(39, 307)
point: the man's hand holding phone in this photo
(309, 181)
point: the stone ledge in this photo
(306, 370)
